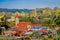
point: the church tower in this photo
(16, 18)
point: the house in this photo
(57, 27)
(23, 25)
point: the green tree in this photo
(58, 31)
(58, 20)
(0, 30)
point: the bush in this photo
(58, 32)
(0, 30)
(45, 38)
(58, 38)
(55, 38)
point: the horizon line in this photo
(30, 8)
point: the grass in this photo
(7, 38)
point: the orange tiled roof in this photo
(23, 25)
(30, 30)
(45, 31)
(36, 24)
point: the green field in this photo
(11, 38)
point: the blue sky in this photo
(29, 4)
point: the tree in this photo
(58, 31)
(11, 23)
(57, 13)
(6, 27)
(55, 8)
(0, 30)
(47, 22)
(58, 20)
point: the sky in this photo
(29, 4)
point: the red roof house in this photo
(23, 25)
(36, 24)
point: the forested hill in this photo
(14, 10)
